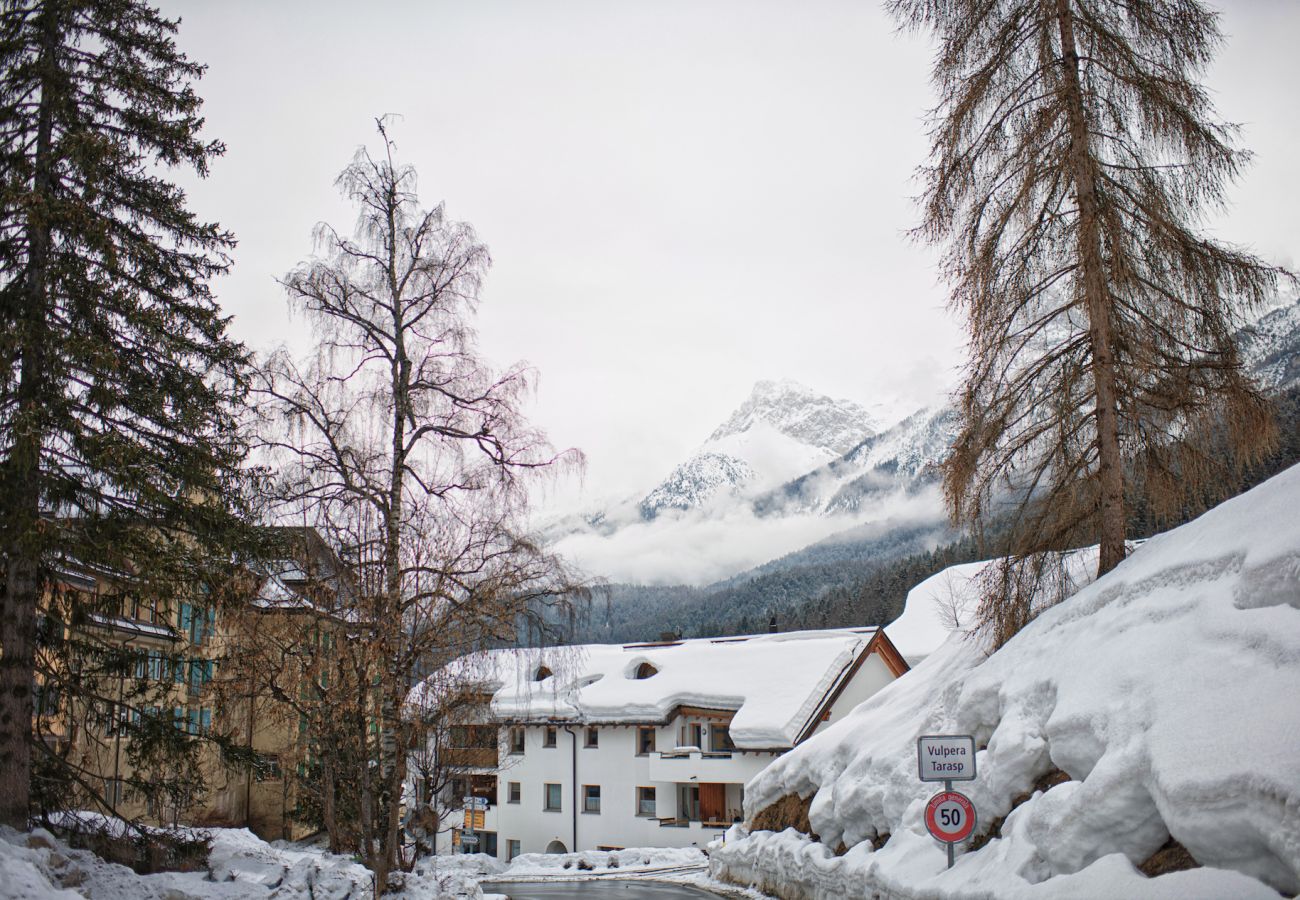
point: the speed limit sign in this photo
(950, 817)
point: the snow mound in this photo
(1166, 694)
(39, 866)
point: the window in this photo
(472, 737)
(645, 670)
(512, 849)
(691, 735)
(112, 791)
(593, 738)
(517, 741)
(549, 739)
(542, 673)
(591, 798)
(267, 767)
(512, 792)
(720, 738)
(645, 741)
(645, 801)
(552, 798)
(458, 789)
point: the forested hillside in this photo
(858, 578)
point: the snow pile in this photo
(635, 860)
(946, 602)
(38, 866)
(1166, 694)
(773, 681)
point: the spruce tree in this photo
(119, 387)
(1074, 156)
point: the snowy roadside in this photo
(685, 866)
(1152, 712)
(37, 865)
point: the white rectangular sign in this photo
(945, 757)
(476, 802)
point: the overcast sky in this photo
(681, 198)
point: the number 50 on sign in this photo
(950, 817)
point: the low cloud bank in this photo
(703, 546)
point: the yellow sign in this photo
(475, 820)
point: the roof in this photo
(774, 683)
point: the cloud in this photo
(703, 546)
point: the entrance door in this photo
(713, 802)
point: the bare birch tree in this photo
(1074, 155)
(405, 448)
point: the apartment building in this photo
(637, 745)
(178, 651)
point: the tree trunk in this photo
(327, 798)
(21, 471)
(1110, 470)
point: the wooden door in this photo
(713, 802)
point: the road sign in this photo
(950, 817)
(469, 840)
(475, 802)
(474, 819)
(945, 757)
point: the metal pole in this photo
(947, 786)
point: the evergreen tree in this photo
(1073, 155)
(118, 383)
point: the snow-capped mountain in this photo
(1270, 348)
(780, 432)
(898, 459)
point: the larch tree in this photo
(119, 384)
(1074, 158)
(399, 443)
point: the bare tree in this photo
(403, 446)
(1073, 155)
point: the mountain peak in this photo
(803, 414)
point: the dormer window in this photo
(542, 673)
(645, 670)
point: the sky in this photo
(681, 198)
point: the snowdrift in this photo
(1167, 692)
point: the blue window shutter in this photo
(205, 720)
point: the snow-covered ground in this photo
(38, 866)
(1166, 692)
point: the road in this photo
(603, 889)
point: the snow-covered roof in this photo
(946, 601)
(774, 683)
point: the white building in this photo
(642, 745)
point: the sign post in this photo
(475, 815)
(949, 816)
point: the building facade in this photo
(639, 745)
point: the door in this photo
(713, 802)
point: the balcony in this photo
(723, 767)
(471, 757)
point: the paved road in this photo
(604, 889)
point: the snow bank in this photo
(773, 681)
(38, 866)
(1166, 692)
(627, 861)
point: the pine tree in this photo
(119, 384)
(1074, 153)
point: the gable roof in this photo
(775, 684)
